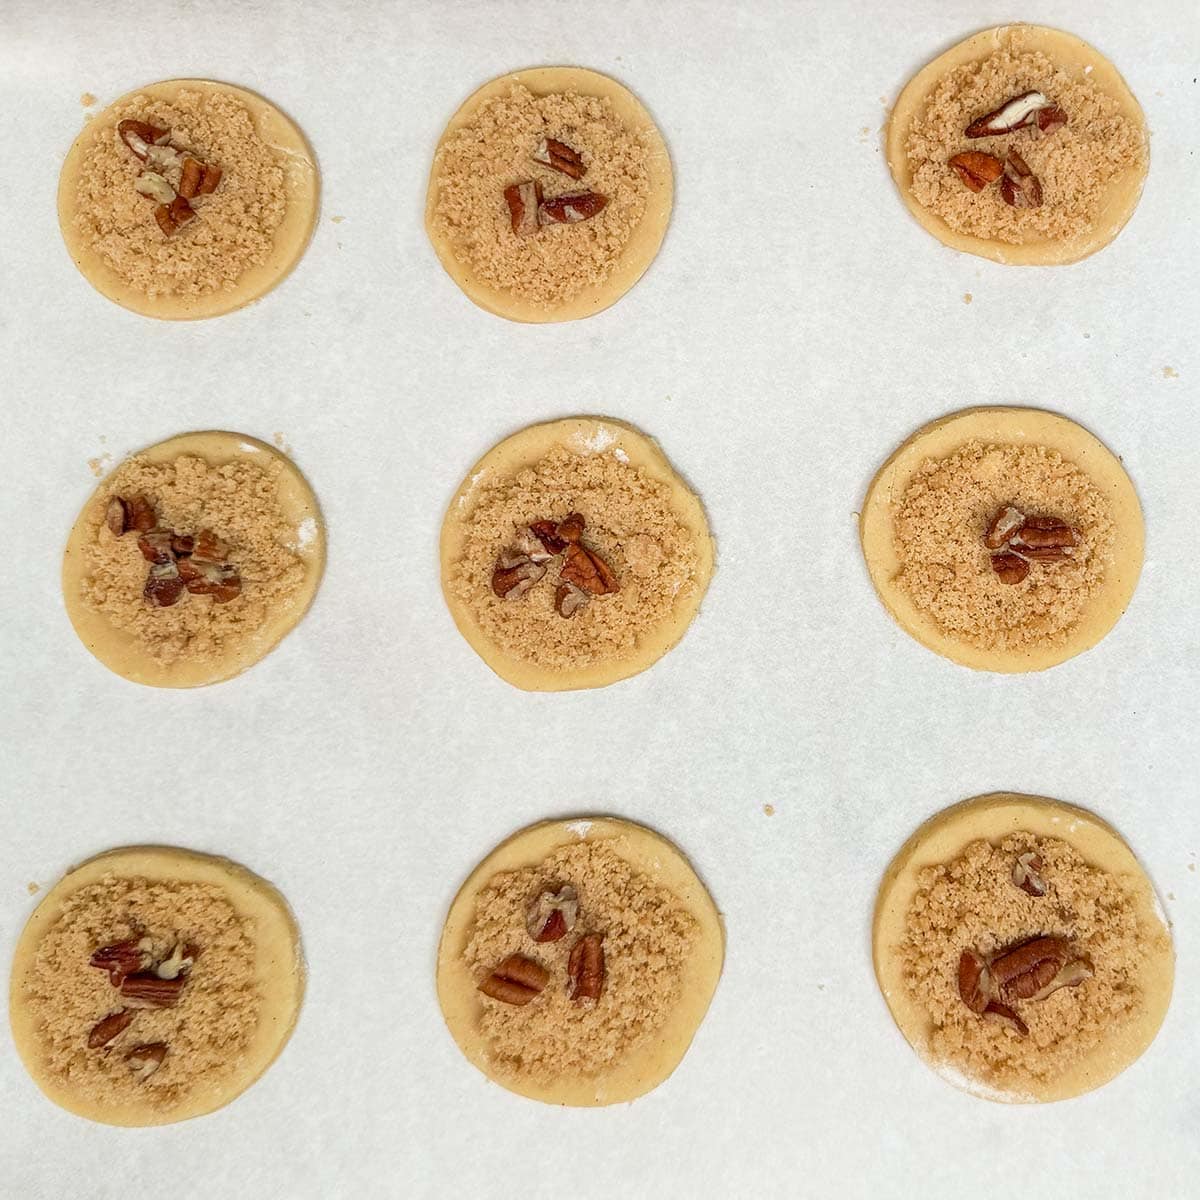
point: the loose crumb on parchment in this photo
(648, 935)
(946, 569)
(206, 1033)
(629, 522)
(492, 151)
(972, 903)
(1075, 163)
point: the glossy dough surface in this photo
(1080, 61)
(279, 973)
(644, 242)
(1005, 426)
(647, 1065)
(991, 818)
(120, 651)
(301, 182)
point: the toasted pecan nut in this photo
(1044, 553)
(569, 599)
(1042, 533)
(558, 156)
(1019, 186)
(974, 981)
(524, 202)
(121, 959)
(588, 571)
(1025, 971)
(511, 583)
(209, 180)
(571, 527)
(570, 210)
(977, 169)
(1009, 568)
(190, 175)
(156, 547)
(116, 516)
(1027, 874)
(208, 546)
(547, 532)
(141, 515)
(145, 1060)
(1051, 118)
(585, 968)
(163, 587)
(516, 980)
(552, 915)
(110, 1028)
(1004, 524)
(139, 136)
(221, 581)
(1003, 1015)
(1013, 114)
(171, 217)
(147, 990)
(182, 544)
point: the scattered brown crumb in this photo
(234, 228)
(205, 1032)
(967, 297)
(337, 220)
(87, 99)
(769, 809)
(971, 903)
(239, 503)
(648, 936)
(1170, 373)
(630, 524)
(1075, 163)
(479, 161)
(946, 570)
(96, 465)
(33, 888)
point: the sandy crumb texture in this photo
(477, 162)
(972, 903)
(630, 524)
(946, 570)
(1075, 163)
(234, 227)
(206, 1032)
(239, 503)
(648, 935)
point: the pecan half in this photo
(1009, 568)
(139, 136)
(1044, 553)
(552, 915)
(121, 959)
(1016, 113)
(974, 981)
(147, 990)
(568, 600)
(585, 968)
(570, 210)
(1020, 187)
(163, 587)
(1026, 874)
(145, 1060)
(558, 156)
(1004, 524)
(511, 583)
(1003, 1015)
(116, 516)
(524, 201)
(588, 571)
(1027, 971)
(516, 980)
(1045, 533)
(977, 169)
(110, 1028)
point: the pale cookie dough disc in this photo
(644, 240)
(1080, 62)
(304, 538)
(290, 237)
(1005, 427)
(586, 437)
(991, 819)
(652, 1058)
(273, 971)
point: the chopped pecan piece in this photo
(516, 980)
(1020, 187)
(110, 1028)
(1004, 524)
(570, 528)
(139, 136)
(1045, 553)
(155, 545)
(1051, 118)
(558, 156)
(201, 577)
(570, 210)
(1009, 568)
(154, 187)
(1003, 1015)
(585, 968)
(209, 180)
(147, 990)
(552, 915)
(524, 202)
(208, 546)
(116, 516)
(976, 169)
(178, 962)
(121, 959)
(511, 583)
(1016, 113)
(141, 515)
(145, 1060)
(171, 217)
(1026, 874)
(163, 587)
(568, 600)
(588, 571)
(547, 532)
(182, 543)
(190, 175)
(974, 981)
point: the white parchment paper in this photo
(795, 328)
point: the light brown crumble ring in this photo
(973, 903)
(239, 503)
(494, 151)
(205, 1032)
(629, 522)
(1074, 162)
(234, 229)
(647, 937)
(946, 568)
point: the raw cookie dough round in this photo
(640, 244)
(992, 819)
(659, 1049)
(1082, 65)
(256, 952)
(249, 635)
(638, 461)
(194, 292)
(1005, 427)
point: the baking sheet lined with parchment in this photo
(795, 328)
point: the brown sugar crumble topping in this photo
(236, 568)
(199, 146)
(1053, 143)
(1020, 982)
(983, 570)
(637, 560)
(144, 986)
(576, 1002)
(502, 204)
